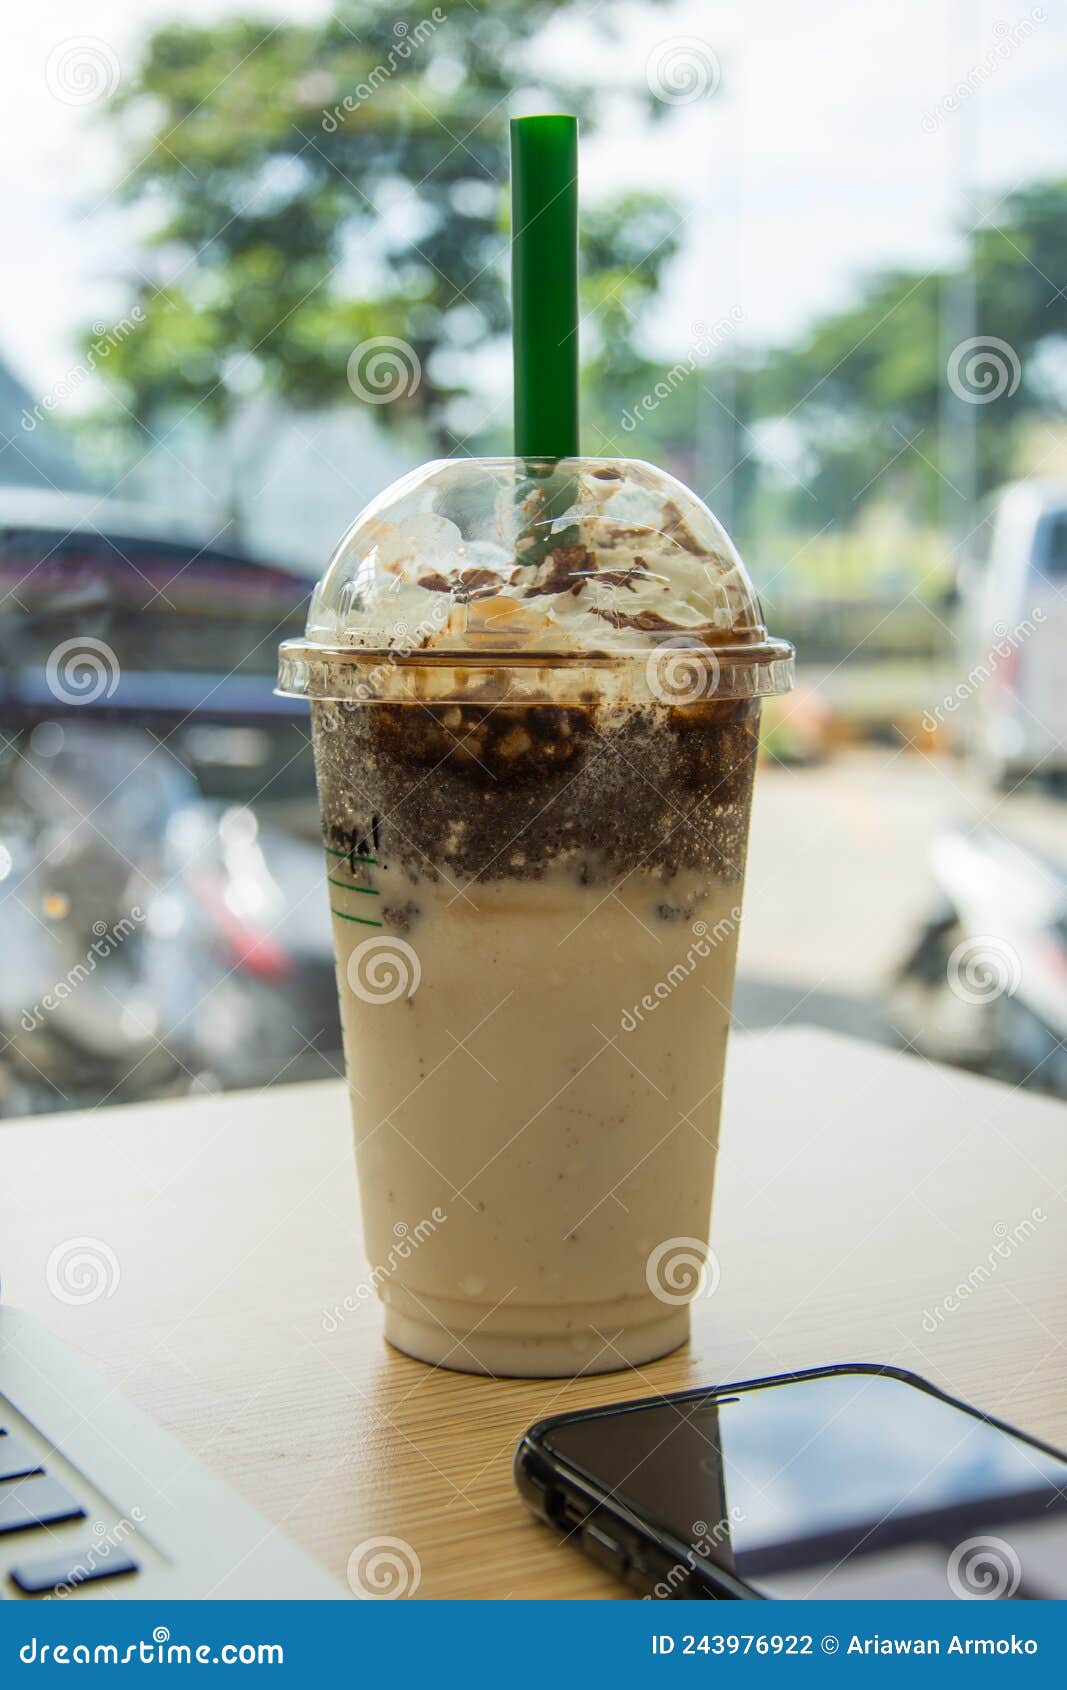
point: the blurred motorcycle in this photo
(985, 983)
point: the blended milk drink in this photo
(535, 703)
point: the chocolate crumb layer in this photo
(470, 791)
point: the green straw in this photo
(544, 285)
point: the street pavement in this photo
(839, 877)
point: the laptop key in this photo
(77, 1566)
(17, 1457)
(36, 1501)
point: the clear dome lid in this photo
(507, 565)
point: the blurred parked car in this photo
(109, 611)
(1014, 635)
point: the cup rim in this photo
(312, 669)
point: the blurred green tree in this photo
(877, 395)
(310, 189)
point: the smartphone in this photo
(852, 1481)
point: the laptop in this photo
(96, 1500)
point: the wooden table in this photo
(857, 1189)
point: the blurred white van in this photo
(1014, 635)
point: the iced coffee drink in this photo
(535, 698)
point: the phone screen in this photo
(846, 1484)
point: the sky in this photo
(833, 138)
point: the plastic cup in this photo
(535, 695)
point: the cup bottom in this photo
(531, 1355)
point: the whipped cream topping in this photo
(588, 555)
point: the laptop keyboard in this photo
(17, 1457)
(54, 1572)
(32, 1501)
